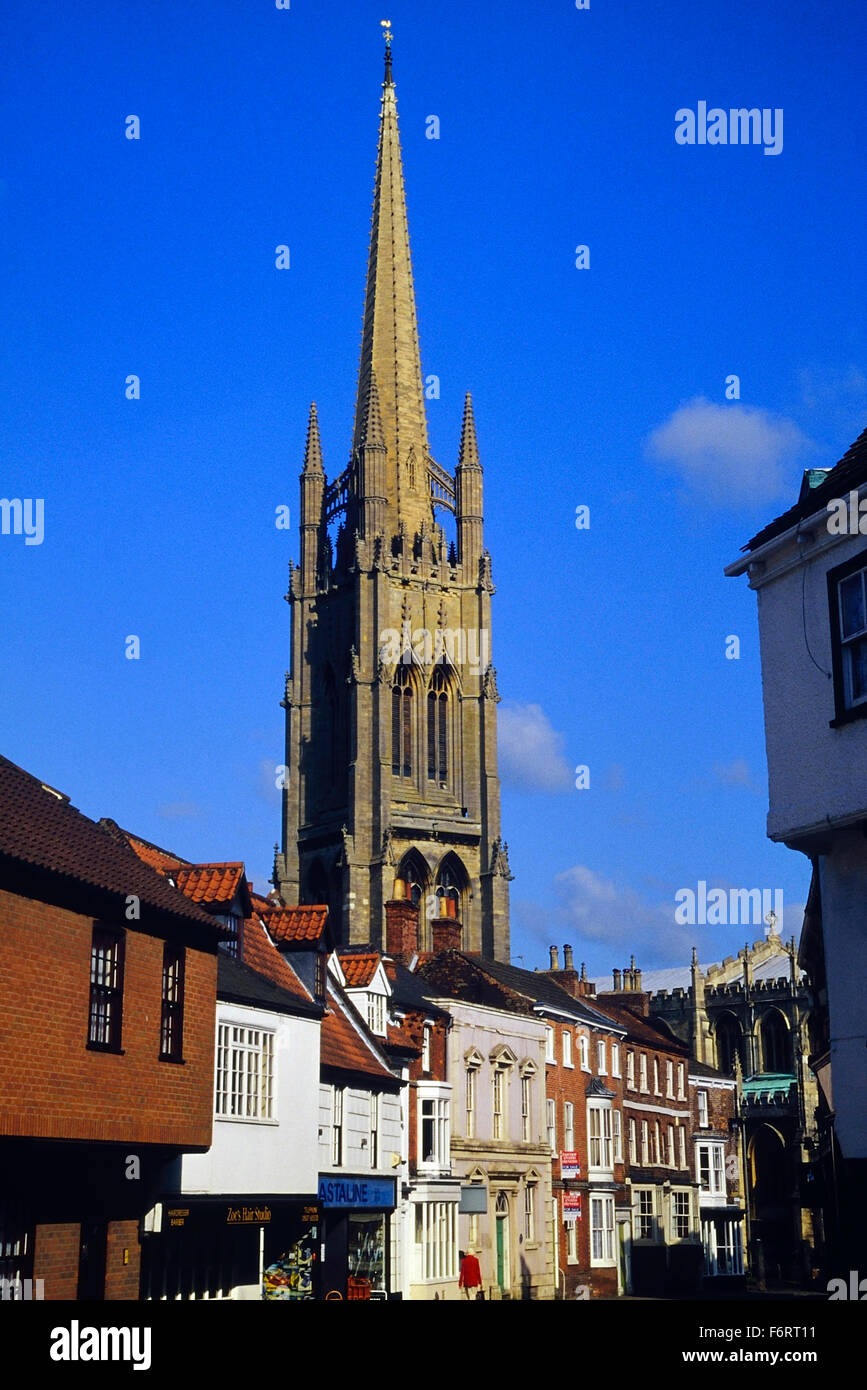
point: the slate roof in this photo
(412, 991)
(651, 1031)
(40, 829)
(238, 983)
(848, 474)
(713, 1073)
(540, 987)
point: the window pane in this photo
(852, 605)
(856, 657)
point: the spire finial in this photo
(387, 35)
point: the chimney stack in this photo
(555, 958)
(401, 927)
(567, 958)
(616, 981)
(446, 933)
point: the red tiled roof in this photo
(262, 955)
(305, 923)
(39, 828)
(214, 884)
(160, 859)
(358, 970)
(342, 1046)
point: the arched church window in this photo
(776, 1050)
(728, 1043)
(437, 727)
(401, 723)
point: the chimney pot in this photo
(555, 959)
(567, 958)
(616, 981)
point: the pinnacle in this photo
(372, 433)
(468, 455)
(313, 449)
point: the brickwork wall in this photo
(55, 1259)
(51, 1084)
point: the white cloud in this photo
(530, 750)
(737, 773)
(598, 909)
(179, 810)
(732, 455)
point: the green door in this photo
(501, 1271)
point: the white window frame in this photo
(571, 1239)
(427, 1031)
(584, 1051)
(601, 1058)
(716, 1186)
(670, 1146)
(338, 1096)
(603, 1250)
(630, 1071)
(530, 1186)
(681, 1147)
(471, 1075)
(656, 1087)
(599, 1137)
(669, 1079)
(644, 1211)
(681, 1093)
(615, 1059)
(633, 1142)
(567, 1048)
(551, 1123)
(568, 1127)
(617, 1133)
(526, 1107)
(434, 1111)
(245, 1084)
(499, 1106)
(376, 1013)
(678, 1194)
(645, 1144)
(657, 1144)
(701, 1100)
(549, 1044)
(642, 1073)
(373, 1139)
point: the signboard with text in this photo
(571, 1206)
(570, 1166)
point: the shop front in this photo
(356, 1216)
(232, 1247)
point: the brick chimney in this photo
(627, 990)
(446, 933)
(401, 927)
(568, 978)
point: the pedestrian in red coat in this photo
(471, 1275)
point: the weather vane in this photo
(386, 25)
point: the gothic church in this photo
(392, 789)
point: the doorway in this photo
(501, 1212)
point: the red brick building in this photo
(107, 997)
(665, 1254)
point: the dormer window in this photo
(376, 1014)
(231, 946)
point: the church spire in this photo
(313, 449)
(389, 342)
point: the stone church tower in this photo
(391, 706)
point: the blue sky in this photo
(602, 387)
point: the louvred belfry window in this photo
(401, 724)
(437, 728)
